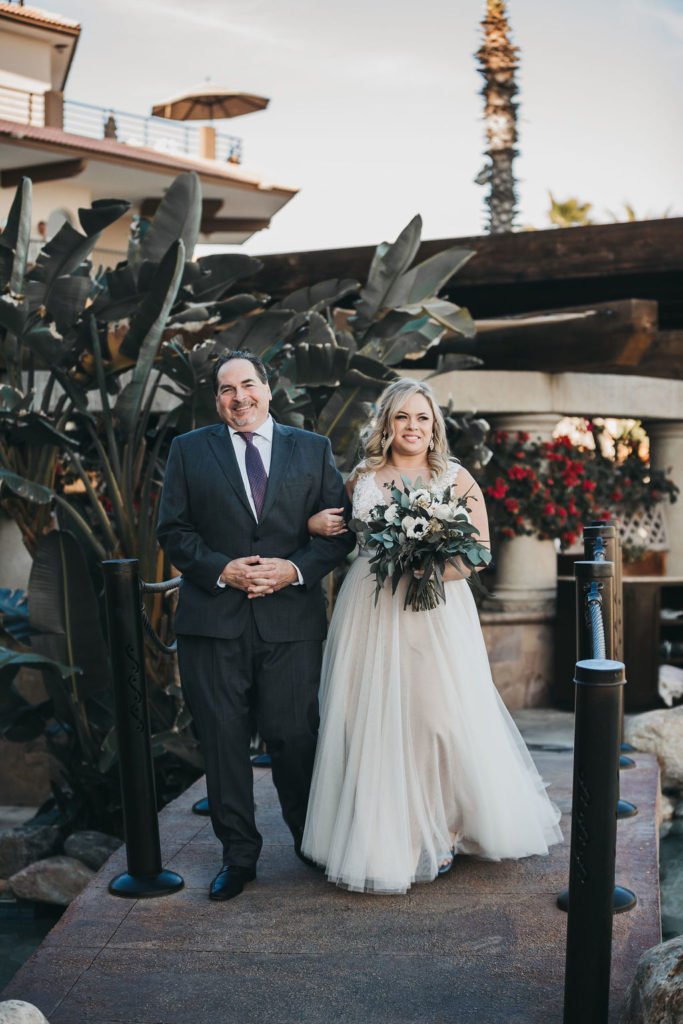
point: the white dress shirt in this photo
(263, 440)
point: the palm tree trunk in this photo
(498, 62)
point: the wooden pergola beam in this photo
(42, 172)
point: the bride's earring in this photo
(383, 442)
(431, 444)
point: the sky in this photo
(376, 113)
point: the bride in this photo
(418, 759)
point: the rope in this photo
(595, 620)
(158, 588)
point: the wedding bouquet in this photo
(418, 534)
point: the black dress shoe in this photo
(230, 881)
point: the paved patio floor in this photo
(483, 945)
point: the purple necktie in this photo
(256, 472)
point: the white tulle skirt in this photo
(417, 753)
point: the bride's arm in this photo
(465, 484)
(330, 522)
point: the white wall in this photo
(25, 63)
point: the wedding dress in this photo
(417, 753)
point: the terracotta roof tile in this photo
(36, 16)
(56, 139)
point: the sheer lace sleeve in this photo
(366, 494)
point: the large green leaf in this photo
(219, 272)
(177, 218)
(68, 248)
(12, 661)
(25, 488)
(170, 271)
(64, 611)
(14, 240)
(389, 263)
(450, 316)
(316, 297)
(67, 300)
(347, 411)
(412, 338)
(426, 278)
(11, 400)
(12, 313)
(259, 334)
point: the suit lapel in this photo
(220, 443)
(281, 453)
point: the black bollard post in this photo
(145, 875)
(593, 841)
(601, 540)
(595, 641)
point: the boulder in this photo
(54, 880)
(660, 733)
(16, 1011)
(23, 844)
(92, 848)
(655, 996)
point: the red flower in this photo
(587, 486)
(511, 505)
(549, 509)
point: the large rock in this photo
(22, 845)
(93, 848)
(655, 996)
(55, 880)
(16, 1011)
(660, 733)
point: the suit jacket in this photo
(205, 520)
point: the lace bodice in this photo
(367, 493)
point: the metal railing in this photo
(173, 137)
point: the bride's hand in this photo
(328, 523)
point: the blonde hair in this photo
(380, 428)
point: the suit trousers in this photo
(232, 685)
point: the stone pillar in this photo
(666, 452)
(526, 567)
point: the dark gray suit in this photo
(243, 659)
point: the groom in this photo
(251, 616)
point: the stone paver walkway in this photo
(483, 945)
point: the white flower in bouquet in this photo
(415, 528)
(444, 512)
(421, 498)
(391, 514)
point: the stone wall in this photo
(520, 650)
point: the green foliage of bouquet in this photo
(418, 534)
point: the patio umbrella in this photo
(209, 103)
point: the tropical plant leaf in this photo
(34, 428)
(412, 339)
(177, 218)
(11, 399)
(263, 334)
(130, 400)
(316, 297)
(48, 346)
(68, 248)
(218, 273)
(67, 300)
(14, 614)
(427, 277)
(348, 409)
(12, 661)
(12, 313)
(450, 316)
(64, 611)
(15, 239)
(389, 263)
(25, 488)
(156, 299)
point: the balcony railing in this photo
(173, 137)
